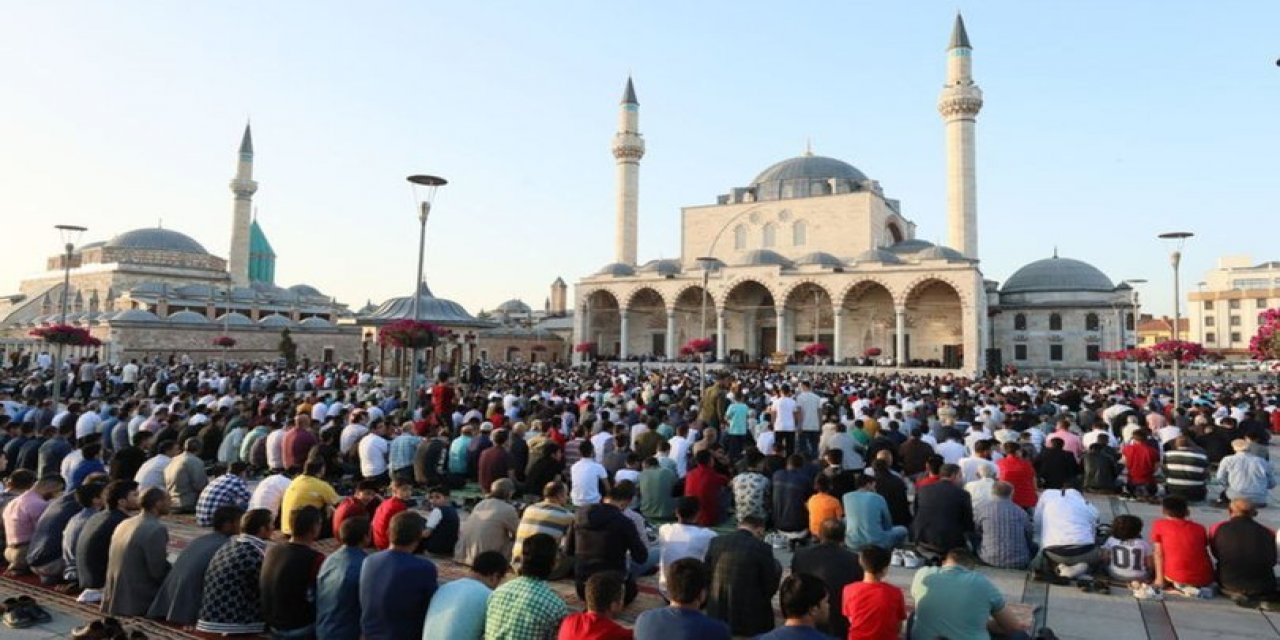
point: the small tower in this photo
(959, 104)
(628, 149)
(559, 302)
(262, 258)
(243, 187)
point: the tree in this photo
(288, 348)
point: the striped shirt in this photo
(1185, 468)
(543, 517)
(1006, 531)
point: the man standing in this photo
(178, 600)
(137, 563)
(744, 579)
(810, 405)
(786, 416)
(395, 585)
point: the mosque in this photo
(813, 251)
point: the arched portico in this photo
(809, 317)
(603, 322)
(643, 325)
(753, 324)
(935, 319)
(866, 320)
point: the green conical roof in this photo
(262, 258)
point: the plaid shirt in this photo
(524, 609)
(402, 450)
(225, 490)
(1006, 534)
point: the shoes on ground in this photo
(1073, 571)
(895, 558)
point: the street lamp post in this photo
(69, 233)
(425, 188)
(1200, 290)
(1133, 309)
(706, 263)
(1176, 239)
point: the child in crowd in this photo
(875, 608)
(1181, 551)
(604, 593)
(1128, 556)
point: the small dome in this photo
(274, 320)
(804, 176)
(883, 256)
(306, 290)
(316, 322)
(822, 259)
(513, 306)
(157, 239)
(187, 317)
(1057, 274)
(910, 246)
(661, 267)
(938, 252)
(234, 319)
(135, 315)
(763, 257)
(617, 270)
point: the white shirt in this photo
(269, 493)
(1128, 558)
(129, 373)
(1064, 519)
(1089, 439)
(680, 454)
(784, 413)
(811, 410)
(677, 542)
(69, 463)
(766, 441)
(599, 443)
(980, 491)
(88, 424)
(275, 449)
(627, 474)
(969, 467)
(351, 434)
(586, 475)
(373, 451)
(319, 411)
(1168, 433)
(951, 451)
(151, 473)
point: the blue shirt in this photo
(457, 611)
(953, 602)
(737, 414)
(794, 633)
(338, 595)
(672, 623)
(458, 455)
(46, 540)
(402, 449)
(395, 589)
(867, 520)
(82, 471)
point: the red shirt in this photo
(927, 480)
(1184, 548)
(875, 610)
(1141, 461)
(705, 484)
(592, 626)
(442, 399)
(352, 508)
(297, 444)
(1275, 421)
(382, 520)
(1022, 475)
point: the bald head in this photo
(1242, 507)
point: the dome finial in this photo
(1055, 251)
(808, 147)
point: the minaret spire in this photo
(628, 149)
(243, 186)
(959, 104)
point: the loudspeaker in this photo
(995, 363)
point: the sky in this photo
(1105, 124)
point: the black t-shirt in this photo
(288, 585)
(1246, 553)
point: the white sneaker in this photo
(895, 558)
(1147, 592)
(912, 560)
(1073, 571)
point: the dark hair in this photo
(799, 593)
(874, 559)
(255, 520)
(949, 470)
(687, 507)
(87, 493)
(962, 557)
(863, 481)
(22, 479)
(822, 483)
(305, 520)
(753, 457)
(354, 531)
(116, 491)
(499, 437)
(313, 467)
(549, 449)
(585, 449)
(651, 462)
(1126, 527)
(152, 497)
(538, 556)
(238, 467)
(91, 450)
(406, 528)
(702, 457)
(796, 461)
(623, 491)
(602, 590)
(369, 485)
(832, 530)
(1175, 506)
(934, 463)
(226, 514)
(553, 489)
(687, 578)
(490, 563)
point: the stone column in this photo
(624, 326)
(671, 333)
(900, 318)
(780, 316)
(837, 347)
(720, 337)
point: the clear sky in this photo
(1105, 123)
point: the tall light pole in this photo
(424, 188)
(1133, 308)
(69, 233)
(706, 263)
(1176, 239)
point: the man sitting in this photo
(458, 608)
(873, 609)
(230, 603)
(552, 518)
(944, 513)
(1067, 524)
(396, 585)
(601, 538)
(1004, 530)
(137, 563)
(835, 565)
(954, 601)
(184, 477)
(179, 598)
(744, 578)
(338, 583)
(1246, 475)
(805, 607)
(491, 526)
(526, 607)
(287, 583)
(1246, 554)
(688, 583)
(867, 517)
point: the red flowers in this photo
(1181, 350)
(411, 334)
(584, 347)
(67, 335)
(816, 350)
(872, 352)
(699, 345)
(1265, 344)
(224, 341)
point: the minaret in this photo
(628, 148)
(959, 104)
(243, 187)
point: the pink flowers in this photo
(1183, 351)
(224, 341)
(411, 334)
(872, 352)
(816, 350)
(584, 347)
(1265, 344)
(67, 335)
(699, 345)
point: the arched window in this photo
(770, 235)
(799, 233)
(1020, 322)
(740, 237)
(1128, 322)
(1055, 322)
(1091, 322)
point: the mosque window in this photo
(1020, 323)
(770, 235)
(1091, 322)
(799, 233)
(1019, 352)
(1092, 353)
(1055, 322)
(1055, 352)
(740, 237)
(1128, 322)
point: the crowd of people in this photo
(602, 476)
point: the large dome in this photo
(806, 175)
(1057, 274)
(157, 239)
